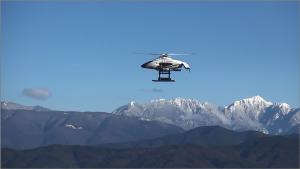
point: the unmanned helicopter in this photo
(164, 64)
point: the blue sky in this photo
(82, 53)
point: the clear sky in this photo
(80, 55)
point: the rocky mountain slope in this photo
(23, 129)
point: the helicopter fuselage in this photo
(165, 64)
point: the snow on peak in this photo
(187, 112)
(284, 107)
(157, 100)
(175, 102)
(252, 108)
(132, 103)
(257, 97)
(132, 108)
(73, 127)
(179, 101)
(255, 101)
(253, 113)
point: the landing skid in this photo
(164, 79)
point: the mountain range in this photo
(25, 129)
(254, 113)
(182, 133)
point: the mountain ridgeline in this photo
(253, 113)
(25, 129)
(206, 135)
(178, 133)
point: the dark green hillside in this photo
(205, 135)
(265, 152)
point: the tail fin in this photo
(186, 66)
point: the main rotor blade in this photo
(174, 54)
(155, 53)
(168, 54)
(147, 53)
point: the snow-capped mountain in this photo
(5, 105)
(253, 113)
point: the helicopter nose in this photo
(145, 65)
